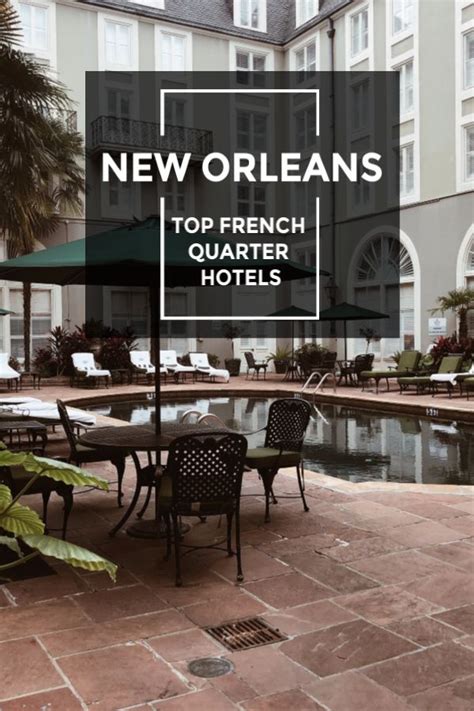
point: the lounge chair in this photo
(407, 365)
(420, 380)
(169, 360)
(460, 372)
(255, 365)
(449, 365)
(7, 372)
(46, 412)
(142, 365)
(200, 362)
(85, 369)
(468, 385)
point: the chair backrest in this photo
(67, 425)
(83, 361)
(288, 419)
(250, 359)
(199, 360)
(408, 360)
(168, 358)
(450, 364)
(140, 359)
(4, 358)
(206, 469)
(329, 359)
(363, 361)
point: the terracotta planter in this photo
(280, 366)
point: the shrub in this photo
(115, 353)
(447, 345)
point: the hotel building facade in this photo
(429, 42)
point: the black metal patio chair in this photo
(203, 477)
(79, 454)
(285, 430)
(255, 365)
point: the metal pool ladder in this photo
(201, 417)
(322, 379)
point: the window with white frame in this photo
(359, 32)
(35, 25)
(175, 196)
(360, 105)
(247, 61)
(305, 128)
(173, 52)
(407, 169)
(176, 303)
(361, 189)
(118, 44)
(250, 14)
(129, 309)
(402, 16)
(251, 200)
(307, 257)
(41, 320)
(305, 59)
(251, 130)
(407, 101)
(305, 201)
(469, 152)
(305, 10)
(469, 60)
(175, 112)
(118, 197)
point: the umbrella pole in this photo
(155, 331)
(345, 340)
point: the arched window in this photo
(384, 281)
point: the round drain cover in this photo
(209, 667)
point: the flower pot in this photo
(280, 366)
(233, 366)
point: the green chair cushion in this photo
(450, 364)
(415, 380)
(380, 374)
(267, 457)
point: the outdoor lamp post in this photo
(331, 290)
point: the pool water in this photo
(341, 441)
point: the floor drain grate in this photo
(245, 634)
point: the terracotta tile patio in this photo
(376, 616)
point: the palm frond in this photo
(10, 25)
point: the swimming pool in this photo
(342, 441)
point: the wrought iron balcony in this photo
(110, 132)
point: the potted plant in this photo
(231, 332)
(281, 359)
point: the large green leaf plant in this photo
(19, 523)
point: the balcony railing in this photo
(110, 131)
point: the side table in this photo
(35, 379)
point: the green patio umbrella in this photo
(293, 311)
(130, 256)
(5, 312)
(349, 312)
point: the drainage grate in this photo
(245, 634)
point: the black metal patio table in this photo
(143, 438)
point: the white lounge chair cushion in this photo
(142, 361)
(84, 362)
(6, 371)
(169, 360)
(201, 362)
(49, 411)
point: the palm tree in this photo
(40, 175)
(460, 301)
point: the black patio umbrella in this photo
(293, 312)
(349, 312)
(130, 256)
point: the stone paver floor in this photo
(376, 616)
